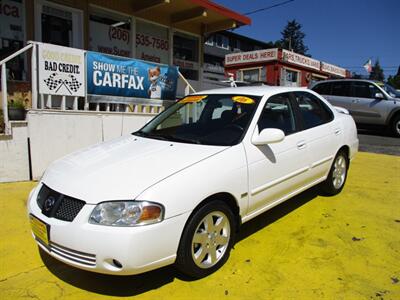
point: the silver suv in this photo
(366, 100)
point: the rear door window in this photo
(323, 88)
(341, 88)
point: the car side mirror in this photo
(268, 136)
(379, 96)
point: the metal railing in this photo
(65, 103)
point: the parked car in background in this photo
(369, 102)
(177, 190)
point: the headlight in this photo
(127, 213)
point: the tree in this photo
(377, 72)
(394, 81)
(292, 38)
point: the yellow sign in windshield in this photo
(243, 100)
(193, 99)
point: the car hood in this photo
(123, 168)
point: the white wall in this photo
(14, 161)
(54, 134)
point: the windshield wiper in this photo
(150, 135)
(166, 137)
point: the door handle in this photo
(338, 131)
(355, 101)
(301, 145)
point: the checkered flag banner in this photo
(52, 83)
(73, 84)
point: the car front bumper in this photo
(109, 249)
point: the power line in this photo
(361, 67)
(268, 7)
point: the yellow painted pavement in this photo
(311, 247)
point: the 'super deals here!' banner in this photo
(118, 76)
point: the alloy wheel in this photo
(211, 239)
(339, 171)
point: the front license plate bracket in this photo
(40, 229)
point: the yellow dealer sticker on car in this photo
(243, 100)
(193, 99)
(39, 229)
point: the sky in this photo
(342, 32)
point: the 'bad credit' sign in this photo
(61, 71)
(118, 76)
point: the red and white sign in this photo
(252, 56)
(332, 69)
(300, 60)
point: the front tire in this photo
(337, 176)
(395, 126)
(207, 240)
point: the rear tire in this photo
(206, 240)
(337, 176)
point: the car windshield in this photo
(389, 89)
(204, 119)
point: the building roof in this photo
(196, 16)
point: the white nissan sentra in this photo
(177, 190)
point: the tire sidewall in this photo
(395, 121)
(329, 188)
(184, 261)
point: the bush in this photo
(17, 103)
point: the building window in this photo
(222, 41)
(58, 24)
(251, 75)
(210, 41)
(186, 55)
(236, 45)
(290, 77)
(12, 37)
(152, 42)
(110, 33)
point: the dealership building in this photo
(280, 67)
(164, 31)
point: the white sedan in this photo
(177, 191)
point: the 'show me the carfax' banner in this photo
(117, 76)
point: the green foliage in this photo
(292, 38)
(377, 72)
(394, 81)
(16, 103)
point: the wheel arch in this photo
(225, 197)
(393, 114)
(346, 150)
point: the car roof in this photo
(253, 90)
(347, 79)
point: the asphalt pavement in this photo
(375, 141)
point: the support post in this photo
(34, 77)
(4, 97)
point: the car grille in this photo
(56, 205)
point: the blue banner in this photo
(118, 76)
